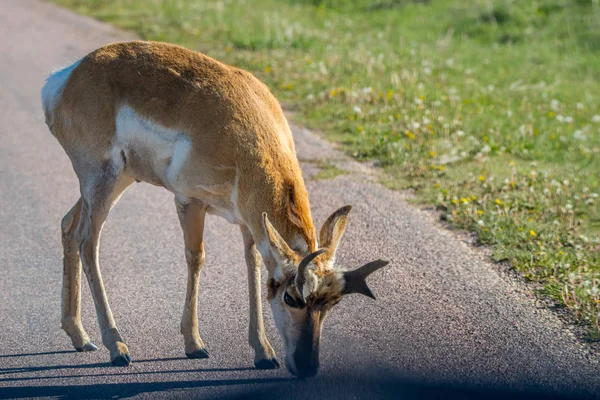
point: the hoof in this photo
(267, 364)
(89, 346)
(202, 353)
(121, 361)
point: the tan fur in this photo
(216, 137)
(230, 116)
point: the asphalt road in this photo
(445, 324)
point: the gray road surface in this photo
(445, 323)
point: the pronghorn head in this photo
(302, 290)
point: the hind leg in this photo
(71, 289)
(99, 191)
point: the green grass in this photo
(327, 170)
(488, 109)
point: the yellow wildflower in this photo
(532, 233)
(481, 178)
(480, 212)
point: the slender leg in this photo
(264, 355)
(71, 290)
(99, 193)
(191, 217)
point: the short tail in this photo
(53, 89)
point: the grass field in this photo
(487, 109)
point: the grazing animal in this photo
(215, 137)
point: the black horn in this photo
(301, 278)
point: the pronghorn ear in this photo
(279, 248)
(355, 281)
(332, 231)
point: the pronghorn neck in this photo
(289, 212)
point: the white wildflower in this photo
(322, 68)
(579, 135)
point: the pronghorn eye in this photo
(289, 300)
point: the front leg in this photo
(264, 355)
(191, 217)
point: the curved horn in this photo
(355, 280)
(301, 278)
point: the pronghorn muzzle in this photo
(304, 361)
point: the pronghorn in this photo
(217, 138)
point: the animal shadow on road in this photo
(384, 386)
(109, 390)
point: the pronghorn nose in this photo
(305, 364)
